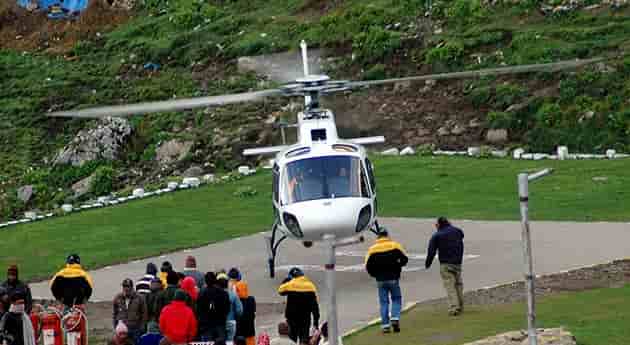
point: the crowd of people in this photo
(171, 307)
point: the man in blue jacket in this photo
(448, 241)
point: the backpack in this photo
(263, 339)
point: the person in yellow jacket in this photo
(72, 285)
(301, 303)
(384, 261)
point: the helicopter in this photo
(322, 184)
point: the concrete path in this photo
(493, 256)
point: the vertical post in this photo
(284, 137)
(307, 99)
(333, 331)
(523, 193)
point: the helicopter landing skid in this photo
(272, 249)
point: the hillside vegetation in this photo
(194, 44)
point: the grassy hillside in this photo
(407, 186)
(594, 317)
(196, 44)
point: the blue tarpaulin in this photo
(68, 6)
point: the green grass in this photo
(596, 317)
(407, 187)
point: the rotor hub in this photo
(313, 85)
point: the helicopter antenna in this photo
(304, 47)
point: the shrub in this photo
(375, 44)
(103, 182)
(375, 72)
(480, 96)
(508, 94)
(465, 12)
(548, 115)
(449, 53)
(500, 119)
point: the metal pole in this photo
(284, 138)
(333, 330)
(307, 99)
(523, 193)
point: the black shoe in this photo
(386, 330)
(396, 325)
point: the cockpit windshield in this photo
(324, 178)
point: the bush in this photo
(508, 94)
(480, 96)
(375, 72)
(549, 115)
(103, 182)
(450, 53)
(500, 119)
(465, 12)
(375, 44)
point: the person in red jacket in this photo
(177, 320)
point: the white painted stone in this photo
(13, 222)
(30, 215)
(474, 151)
(243, 170)
(50, 214)
(66, 208)
(148, 194)
(622, 155)
(499, 153)
(563, 153)
(122, 199)
(192, 181)
(172, 185)
(391, 152)
(40, 217)
(407, 151)
(138, 192)
(540, 156)
(4, 225)
(85, 207)
(184, 186)
(24, 220)
(114, 202)
(209, 178)
(518, 153)
(103, 199)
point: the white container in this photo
(243, 170)
(407, 151)
(103, 199)
(172, 185)
(474, 151)
(518, 153)
(66, 208)
(610, 154)
(192, 181)
(563, 153)
(209, 178)
(30, 215)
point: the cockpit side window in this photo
(365, 191)
(276, 183)
(370, 171)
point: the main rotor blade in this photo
(164, 106)
(554, 66)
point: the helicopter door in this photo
(276, 192)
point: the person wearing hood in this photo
(190, 286)
(130, 308)
(15, 325)
(143, 286)
(246, 324)
(121, 335)
(72, 285)
(190, 270)
(168, 294)
(301, 303)
(177, 320)
(151, 300)
(166, 267)
(14, 285)
(235, 276)
(213, 306)
(236, 308)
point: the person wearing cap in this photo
(235, 276)
(121, 335)
(143, 286)
(246, 324)
(283, 335)
(15, 325)
(213, 306)
(168, 294)
(448, 242)
(14, 285)
(130, 308)
(301, 303)
(384, 262)
(72, 285)
(236, 307)
(152, 336)
(177, 320)
(190, 270)
(151, 300)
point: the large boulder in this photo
(25, 193)
(550, 336)
(82, 187)
(173, 151)
(101, 142)
(496, 136)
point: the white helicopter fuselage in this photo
(323, 184)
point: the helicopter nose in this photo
(333, 216)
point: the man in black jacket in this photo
(384, 262)
(213, 306)
(301, 303)
(448, 241)
(14, 285)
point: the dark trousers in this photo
(300, 329)
(214, 334)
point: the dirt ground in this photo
(33, 31)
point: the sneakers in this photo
(386, 330)
(396, 325)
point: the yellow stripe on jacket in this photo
(299, 284)
(73, 271)
(383, 245)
